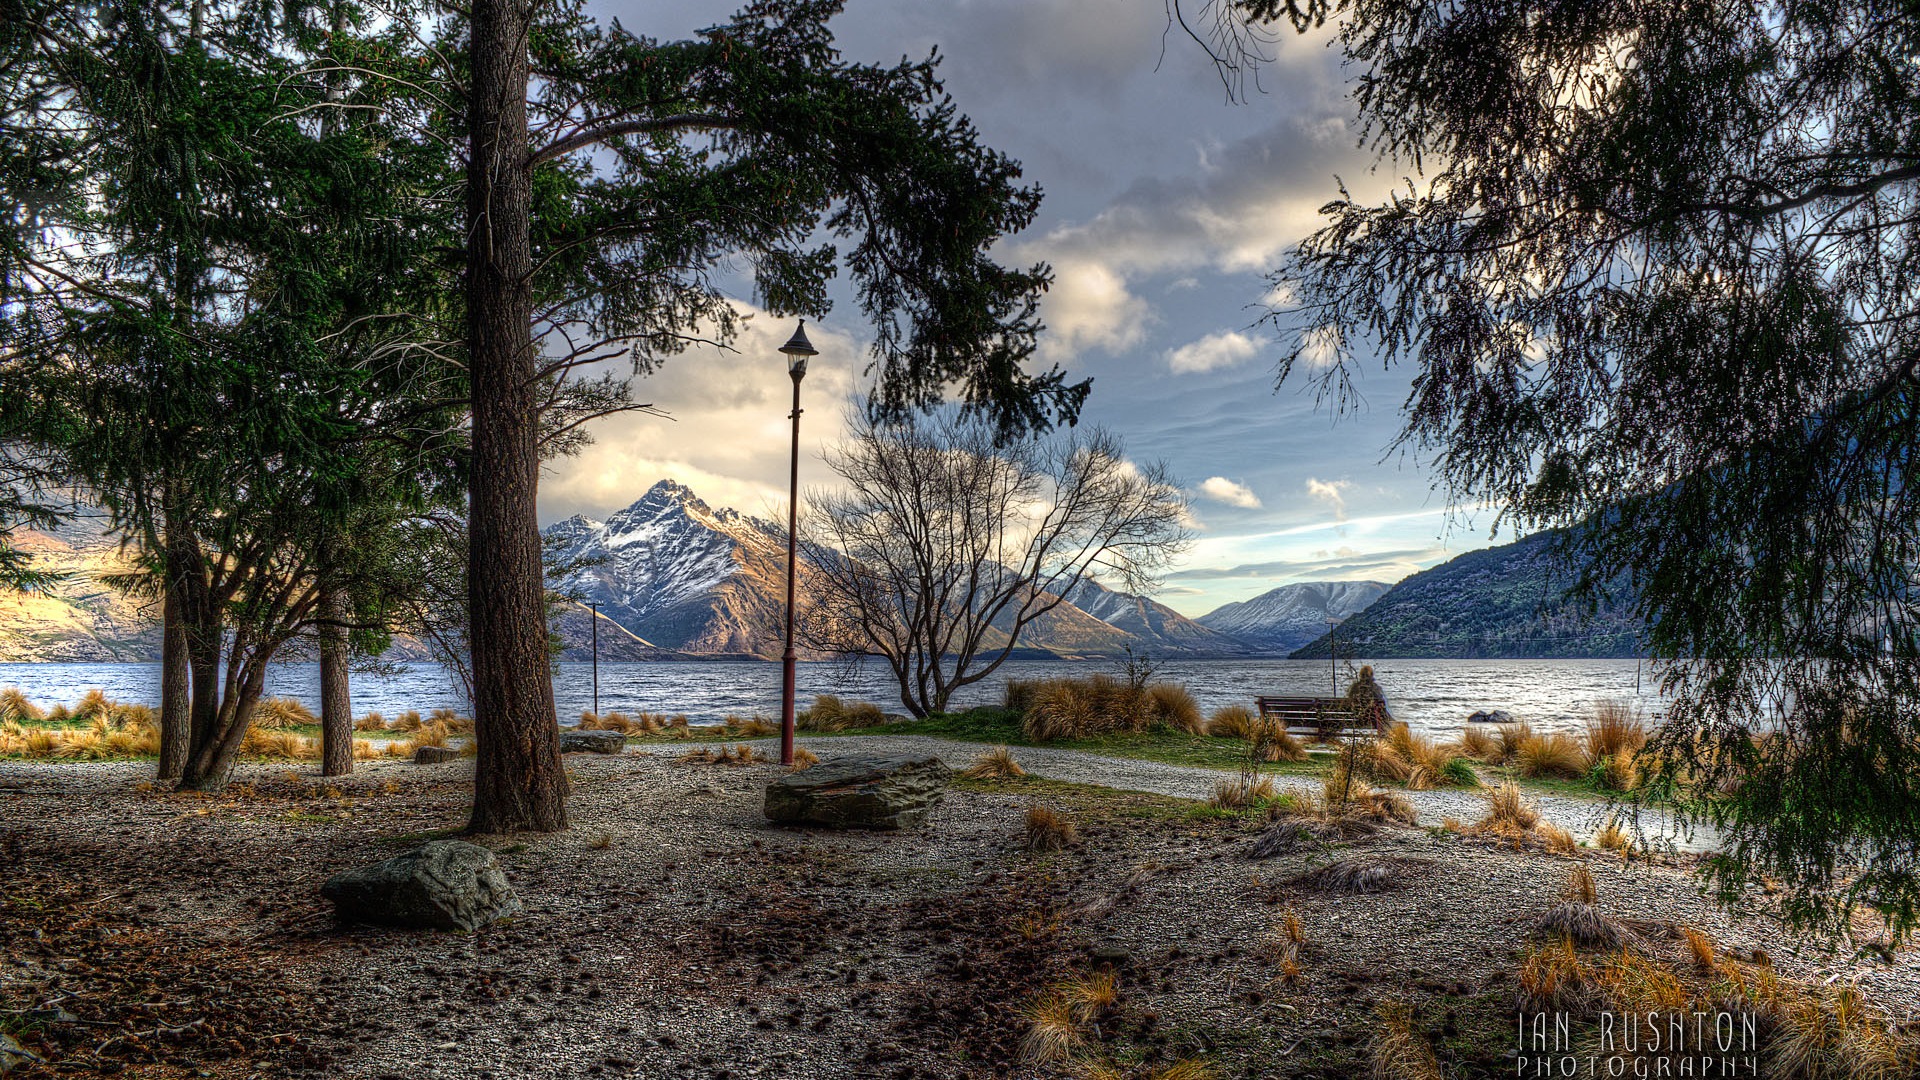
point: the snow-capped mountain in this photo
(680, 574)
(688, 578)
(1283, 619)
(1163, 629)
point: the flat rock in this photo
(441, 885)
(860, 793)
(434, 755)
(592, 742)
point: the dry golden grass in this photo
(1555, 754)
(1555, 839)
(1700, 949)
(1233, 722)
(59, 714)
(741, 754)
(281, 712)
(1397, 1051)
(829, 713)
(1053, 1031)
(1241, 792)
(406, 721)
(1188, 1069)
(1831, 1032)
(1173, 705)
(1620, 771)
(364, 750)
(1553, 978)
(752, 727)
(1584, 925)
(92, 704)
(1049, 831)
(433, 734)
(373, 721)
(1612, 837)
(1614, 727)
(1479, 744)
(14, 705)
(1635, 983)
(1269, 741)
(995, 764)
(399, 748)
(1580, 886)
(1511, 737)
(804, 758)
(1506, 806)
(1416, 761)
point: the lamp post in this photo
(797, 349)
(1333, 654)
(595, 620)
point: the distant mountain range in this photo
(1506, 601)
(695, 581)
(675, 578)
(1283, 619)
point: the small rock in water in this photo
(434, 755)
(592, 742)
(1491, 716)
(442, 885)
(860, 793)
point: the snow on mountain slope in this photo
(1162, 629)
(1283, 619)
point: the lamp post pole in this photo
(1333, 655)
(595, 619)
(797, 349)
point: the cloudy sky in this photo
(1165, 207)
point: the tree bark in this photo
(176, 684)
(519, 783)
(336, 699)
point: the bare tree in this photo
(945, 545)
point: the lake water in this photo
(1431, 695)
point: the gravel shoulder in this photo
(672, 932)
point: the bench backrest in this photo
(1321, 715)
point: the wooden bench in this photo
(1322, 719)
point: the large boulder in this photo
(592, 742)
(442, 885)
(434, 755)
(1491, 716)
(859, 793)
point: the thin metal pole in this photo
(595, 608)
(1333, 653)
(793, 524)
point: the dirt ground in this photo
(672, 932)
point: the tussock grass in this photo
(1614, 727)
(1416, 761)
(93, 703)
(1397, 1051)
(433, 734)
(1580, 887)
(1049, 831)
(1612, 837)
(804, 758)
(406, 721)
(1099, 705)
(1241, 792)
(15, 705)
(1700, 949)
(1555, 839)
(1583, 925)
(1512, 737)
(1505, 805)
(1063, 1021)
(829, 713)
(1233, 722)
(1357, 876)
(1553, 978)
(282, 712)
(995, 764)
(1172, 705)
(1479, 744)
(364, 750)
(752, 727)
(1557, 755)
(741, 754)
(373, 721)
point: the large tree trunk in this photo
(176, 684)
(336, 699)
(518, 780)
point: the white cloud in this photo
(1331, 492)
(728, 436)
(1213, 351)
(1089, 305)
(1221, 489)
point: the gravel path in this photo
(1581, 817)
